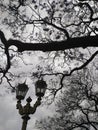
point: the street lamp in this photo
(25, 111)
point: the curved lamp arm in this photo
(28, 109)
(37, 103)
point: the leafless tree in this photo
(76, 108)
(62, 29)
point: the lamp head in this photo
(21, 91)
(40, 88)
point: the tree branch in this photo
(87, 41)
(4, 41)
(75, 69)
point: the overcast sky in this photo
(9, 117)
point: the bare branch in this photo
(88, 41)
(75, 69)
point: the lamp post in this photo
(25, 111)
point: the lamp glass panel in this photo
(38, 90)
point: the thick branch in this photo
(88, 41)
(56, 46)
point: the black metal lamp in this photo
(25, 111)
(21, 91)
(40, 88)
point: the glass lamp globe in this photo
(21, 91)
(40, 88)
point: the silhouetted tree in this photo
(62, 29)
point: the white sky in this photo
(9, 117)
